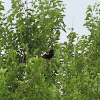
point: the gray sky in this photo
(75, 14)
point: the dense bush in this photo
(28, 30)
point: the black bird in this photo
(49, 54)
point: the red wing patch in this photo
(47, 53)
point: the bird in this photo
(49, 54)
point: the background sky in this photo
(75, 14)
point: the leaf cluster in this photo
(30, 28)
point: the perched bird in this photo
(49, 54)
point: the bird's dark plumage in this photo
(49, 54)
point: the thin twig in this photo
(29, 82)
(88, 56)
(87, 59)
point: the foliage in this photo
(29, 29)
